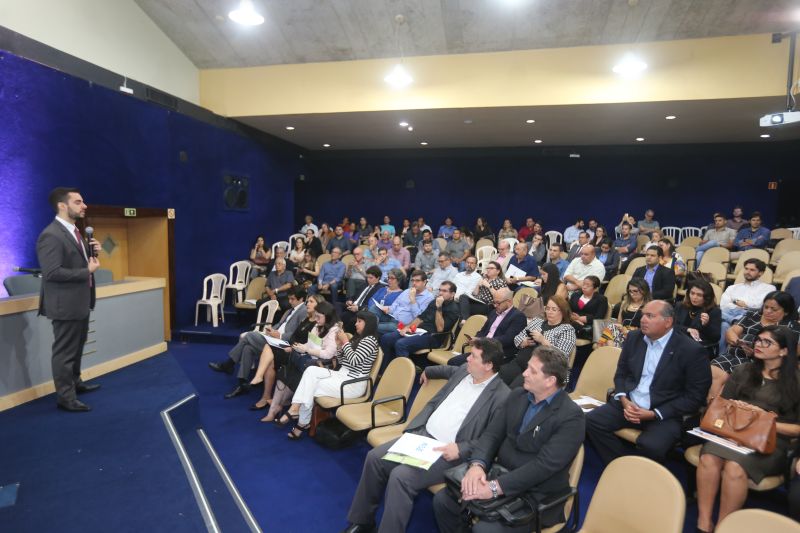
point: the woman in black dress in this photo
(699, 316)
(770, 382)
(587, 305)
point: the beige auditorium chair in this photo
(597, 375)
(750, 520)
(384, 434)
(473, 325)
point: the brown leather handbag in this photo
(741, 423)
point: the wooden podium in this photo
(138, 241)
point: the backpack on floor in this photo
(331, 433)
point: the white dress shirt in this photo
(752, 293)
(466, 283)
(445, 421)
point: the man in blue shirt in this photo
(408, 305)
(754, 236)
(341, 241)
(524, 262)
(571, 233)
(626, 244)
(446, 230)
(554, 256)
(330, 275)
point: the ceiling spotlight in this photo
(765, 135)
(246, 14)
(537, 141)
(630, 66)
(410, 128)
(399, 77)
(639, 139)
(290, 128)
(423, 143)
(326, 145)
(670, 117)
(468, 121)
(530, 121)
(403, 124)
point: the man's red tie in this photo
(80, 243)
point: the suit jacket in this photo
(663, 282)
(292, 321)
(681, 380)
(539, 457)
(486, 408)
(371, 290)
(594, 308)
(65, 292)
(512, 323)
(611, 263)
(574, 251)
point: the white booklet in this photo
(720, 440)
(587, 403)
(276, 343)
(414, 450)
(515, 272)
(418, 331)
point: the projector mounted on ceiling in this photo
(790, 115)
(777, 119)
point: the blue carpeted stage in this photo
(117, 469)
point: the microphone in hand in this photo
(89, 236)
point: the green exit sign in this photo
(130, 211)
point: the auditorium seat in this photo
(749, 520)
(388, 404)
(426, 392)
(213, 298)
(597, 375)
(473, 325)
(22, 284)
(790, 261)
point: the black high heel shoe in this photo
(285, 418)
(298, 431)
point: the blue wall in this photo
(684, 184)
(56, 130)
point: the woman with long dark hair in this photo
(699, 316)
(770, 383)
(482, 297)
(551, 284)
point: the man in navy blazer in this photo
(661, 377)
(67, 293)
(660, 278)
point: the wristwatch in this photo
(493, 488)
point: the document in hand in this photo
(588, 403)
(516, 272)
(414, 450)
(418, 331)
(276, 343)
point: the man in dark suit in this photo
(660, 279)
(362, 299)
(502, 324)
(574, 250)
(607, 255)
(67, 294)
(536, 440)
(251, 343)
(661, 377)
(458, 414)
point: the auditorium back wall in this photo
(56, 129)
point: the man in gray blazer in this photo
(67, 294)
(457, 414)
(251, 343)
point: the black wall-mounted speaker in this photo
(236, 194)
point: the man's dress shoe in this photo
(221, 367)
(238, 391)
(82, 388)
(74, 406)
(360, 528)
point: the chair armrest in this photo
(350, 382)
(259, 324)
(388, 399)
(573, 492)
(610, 394)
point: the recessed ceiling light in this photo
(670, 117)
(410, 128)
(639, 139)
(630, 66)
(399, 77)
(765, 135)
(326, 145)
(246, 14)
(468, 121)
(403, 124)
(537, 141)
(530, 121)
(290, 128)
(423, 143)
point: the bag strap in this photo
(731, 411)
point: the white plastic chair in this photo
(239, 275)
(486, 252)
(511, 242)
(213, 297)
(294, 236)
(691, 231)
(673, 232)
(553, 236)
(282, 244)
(271, 307)
(795, 232)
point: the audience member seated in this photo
(769, 383)
(280, 253)
(427, 236)
(793, 288)
(298, 253)
(699, 317)
(458, 249)
(504, 254)
(609, 257)
(580, 267)
(671, 258)
(661, 280)
(526, 230)
(572, 233)
(330, 275)
(386, 263)
(437, 321)
(591, 227)
(305, 274)
(259, 258)
(444, 271)
(648, 224)
(313, 243)
(480, 299)
(482, 230)
(741, 298)
(361, 301)
(325, 235)
(778, 309)
(446, 230)
(354, 359)
(736, 221)
(400, 254)
(535, 437)
(550, 283)
(413, 236)
(554, 330)
(587, 305)
(467, 280)
(600, 234)
(625, 245)
(253, 343)
(279, 282)
(720, 235)
(554, 257)
(423, 226)
(309, 225)
(372, 248)
(387, 226)
(340, 241)
(427, 260)
(387, 294)
(356, 273)
(363, 231)
(631, 220)
(385, 242)
(628, 312)
(406, 227)
(458, 414)
(538, 249)
(507, 231)
(576, 247)
(649, 396)
(407, 306)
(524, 262)
(752, 236)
